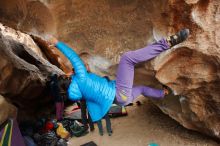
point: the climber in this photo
(86, 118)
(100, 93)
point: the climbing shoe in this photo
(178, 37)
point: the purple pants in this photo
(125, 91)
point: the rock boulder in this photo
(24, 73)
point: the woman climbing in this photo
(99, 92)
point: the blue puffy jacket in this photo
(98, 92)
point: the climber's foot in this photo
(179, 37)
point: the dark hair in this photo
(64, 83)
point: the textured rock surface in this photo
(27, 15)
(7, 110)
(24, 73)
(110, 27)
(53, 55)
(192, 71)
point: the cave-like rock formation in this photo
(24, 73)
(108, 28)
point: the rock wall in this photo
(192, 71)
(27, 15)
(107, 28)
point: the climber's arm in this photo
(77, 63)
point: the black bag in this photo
(74, 128)
(46, 139)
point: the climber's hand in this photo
(53, 41)
(165, 91)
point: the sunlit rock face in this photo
(24, 73)
(108, 28)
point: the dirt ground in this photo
(143, 125)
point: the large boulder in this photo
(192, 71)
(24, 73)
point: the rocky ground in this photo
(145, 124)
